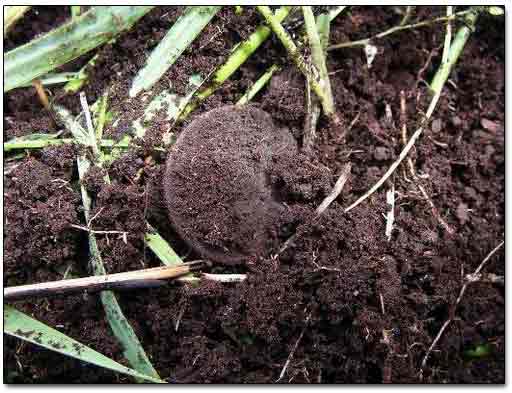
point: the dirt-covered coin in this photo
(217, 183)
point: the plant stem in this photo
(40, 144)
(318, 56)
(448, 35)
(322, 25)
(455, 50)
(74, 85)
(407, 15)
(395, 29)
(295, 56)
(258, 85)
(102, 116)
(131, 279)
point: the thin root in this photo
(459, 298)
(290, 356)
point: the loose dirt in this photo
(367, 308)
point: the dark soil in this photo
(366, 308)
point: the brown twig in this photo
(433, 52)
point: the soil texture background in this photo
(366, 308)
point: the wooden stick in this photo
(135, 279)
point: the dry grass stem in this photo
(338, 187)
(290, 356)
(398, 28)
(452, 311)
(41, 93)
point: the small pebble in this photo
(490, 125)
(382, 153)
(437, 125)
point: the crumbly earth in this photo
(364, 307)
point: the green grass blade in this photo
(455, 51)
(53, 79)
(132, 348)
(22, 326)
(32, 141)
(102, 116)
(75, 11)
(91, 29)
(161, 248)
(12, 14)
(19, 144)
(240, 53)
(34, 144)
(258, 85)
(74, 85)
(177, 39)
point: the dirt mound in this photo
(217, 186)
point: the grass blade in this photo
(22, 326)
(91, 29)
(132, 348)
(12, 14)
(258, 85)
(161, 248)
(53, 79)
(74, 85)
(40, 143)
(28, 141)
(177, 39)
(75, 11)
(318, 55)
(240, 53)
(166, 254)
